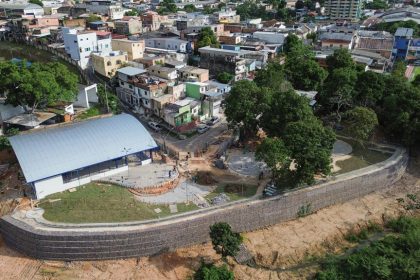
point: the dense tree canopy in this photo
(190, 8)
(167, 6)
(310, 145)
(37, 2)
(360, 122)
(271, 76)
(224, 240)
(284, 107)
(302, 70)
(393, 26)
(131, 13)
(224, 77)
(274, 153)
(37, 85)
(212, 272)
(206, 37)
(393, 257)
(244, 105)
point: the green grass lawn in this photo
(361, 157)
(234, 191)
(100, 203)
(91, 112)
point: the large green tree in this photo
(360, 122)
(369, 88)
(244, 105)
(206, 37)
(37, 85)
(302, 70)
(274, 153)
(283, 108)
(341, 58)
(310, 145)
(271, 76)
(224, 240)
(339, 91)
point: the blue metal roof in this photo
(54, 151)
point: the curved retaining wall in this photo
(145, 239)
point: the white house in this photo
(173, 44)
(80, 44)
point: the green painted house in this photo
(195, 89)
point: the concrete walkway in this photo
(244, 163)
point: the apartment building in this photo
(134, 48)
(191, 73)
(343, 9)
(80, 44)
(152, 20)
(167, 73)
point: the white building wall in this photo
(55, 184)
(80, 46)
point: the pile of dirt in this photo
(205, 178)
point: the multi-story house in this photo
(152, 20)
(379, 42)
(191, 73)
(134, 48)
(128, 26)
(220, 60)
(167, 73)
(402, 41)
(173, 44)
(107, 63)
(80, 44)
(110, 8)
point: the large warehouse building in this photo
(60, 158)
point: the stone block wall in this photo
(60, 242)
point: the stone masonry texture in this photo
(62, 243)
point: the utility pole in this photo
(106, 98)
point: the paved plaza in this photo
(244, 163)
(142, 176)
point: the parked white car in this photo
(213, 120)
(155, 126)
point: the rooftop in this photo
(131, 71)
(50, 152)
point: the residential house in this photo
(191, 73)
(178, 113)
(110, 8)
(173, 44)
(128, 26)
(10, 10)
(152, 20)
(80, 44)
(270, 37)
(107, 63)
(219, 60)
(380, 42)
(401, 14)
(332, 40)
(195, 89)
(134, 48)
(163, 72)
(402, 41)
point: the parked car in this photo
(155, 126)
(213, 120)
(201, 128)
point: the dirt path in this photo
(278, 246)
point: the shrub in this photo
(212, 272)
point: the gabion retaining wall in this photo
(123, 241)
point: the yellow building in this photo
(134, 48)
(108, 63)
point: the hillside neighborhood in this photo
(184, 139)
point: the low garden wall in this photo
(112, 241)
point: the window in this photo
(109, 63)
(118, 62)
(130, 86)
(75, 41)
(87, 49)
